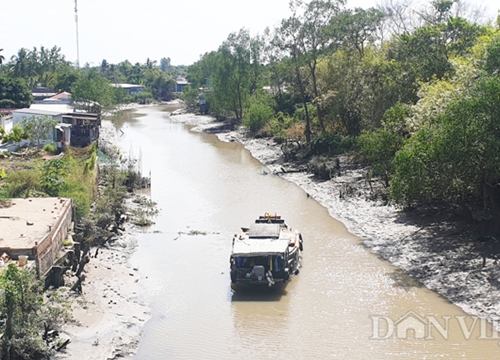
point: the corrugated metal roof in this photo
(58, 108)
(39, 112)
(260, 246)
(64, 95)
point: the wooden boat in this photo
(266, 253)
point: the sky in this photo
(118, 30)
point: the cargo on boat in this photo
(266, 253)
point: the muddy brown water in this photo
(346, 303)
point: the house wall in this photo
(136, 90)
(18, 117)
(48, 248)
(6, 123)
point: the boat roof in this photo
(264, 231)
(263, 239)
(259, 246)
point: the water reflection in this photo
(262, 293)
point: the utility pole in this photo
(77, 44)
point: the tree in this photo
(16, 135)
(165, 64)
(2, 58)
(357, 28)
(37, 67)
(260, 112)
(234, 73)
(93, 88)
(39, 128)
(307, 37)
(455, 160)
(492, 64)
(64, 78)
(14, 93)
(157, 81)
(26, 316)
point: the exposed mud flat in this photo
(444, 255)
(109, 315)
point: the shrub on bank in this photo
(333, 144)
(50, 148)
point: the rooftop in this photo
(59, 108)
(126, 86)
(256, 247)
(40, 212)
(37, 111)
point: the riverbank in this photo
(445, 255)
(109, 315)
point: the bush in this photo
(258, 115)
(26, 315)
(21, 183)
(53, 173)
(332, 144)
(143, 97)
(378, 148)
(50, 148)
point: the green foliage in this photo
(26, 316)
(21, 183)
(50, 148)
(330, 144)
(39, 128)
(143, 97)
(93, 88)
(81, 194)
(143, 213)
(16, 135)
(259, 113)
(14, 93)
(191, 96)
(53, 173)
(234, 74)
(493, 56)
(378, 148)
(79, 180)
(453, 159)
(38, 67)
(280, 124)
(436, 95)
(357, 28)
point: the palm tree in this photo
(2, 58)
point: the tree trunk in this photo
(307, 132)
(312, 68)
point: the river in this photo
(346, 303)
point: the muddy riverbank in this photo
(445, 255)
(109, 315)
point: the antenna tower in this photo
(77, 44)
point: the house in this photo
(58, 99)
(23, 114)
(130, 88)
(180, 83)
(84, 128)
(34, 229)
(6, 118)
(41, 93)
(73, 128)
